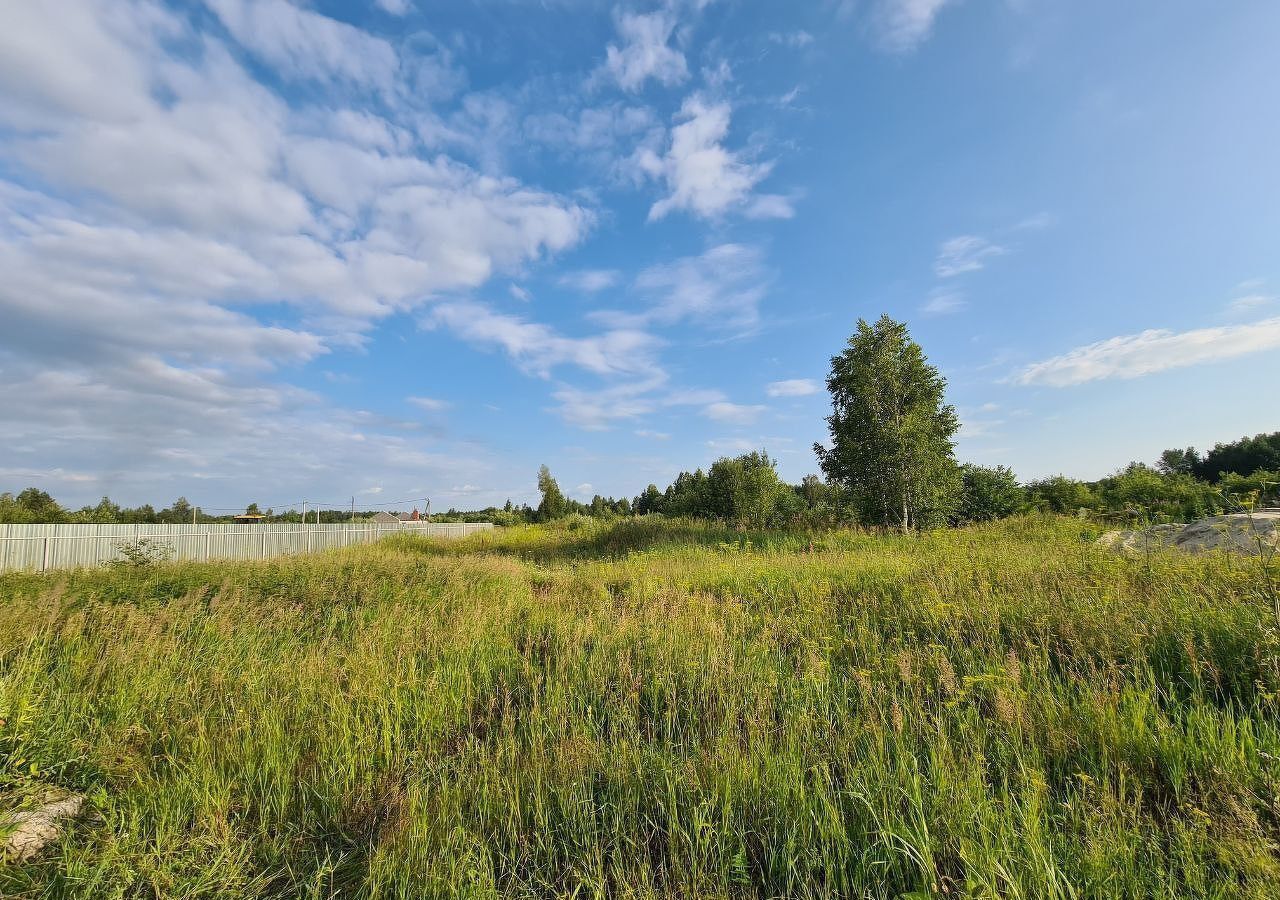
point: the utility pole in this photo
(353, 510)
(193, 515)
(304, 512)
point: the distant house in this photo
(250, 518)
(386, 518)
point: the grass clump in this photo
(653, 709)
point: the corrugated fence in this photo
(45, 547)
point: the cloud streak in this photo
(966, 253)
(792, 387)
(1149, 352)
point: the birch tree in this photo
(891, 431)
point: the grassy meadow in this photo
(653, 709)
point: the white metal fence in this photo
(45, 547)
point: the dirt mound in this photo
(1249, 533)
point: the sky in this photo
(276, 250)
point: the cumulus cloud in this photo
(645, 51)
(792, 387)
(221, 236)
(1136, 355)
(703, 177)
(966, 253)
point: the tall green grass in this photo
(653, 709)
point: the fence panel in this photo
(45, 547)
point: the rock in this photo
(30, 831)
(1157, 537)
(1237, 533)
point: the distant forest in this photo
(890, 461)
(1182, 484)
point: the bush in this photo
(141, 554)
(1060, 494)
(987, 494)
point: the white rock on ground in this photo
(1236, 533)
(30, 831)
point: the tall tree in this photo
(891, 432)
(553, 505)
(648, 502)
(1242, 457)
(180, 512)
(1179, 461)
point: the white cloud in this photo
(645, 52)
(464, 490)
(902, 25)
(794, 39)
(734, 413)
(789, 97)
(394, 7)
(652, 435)
(966, 253)
(222, 236)
(792, 387)
(518, 293)
(430, 404)
(721, 288)
(538, 348)
(583, 489)
(595, 410)
(304, 44)
(1037, 222)
(719, 75)
(732, 445)
(590, 281)
(703, 177)
(943, 302)
(595, 132)
(1132, 356)
(1249, 303)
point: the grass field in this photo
(654, 709)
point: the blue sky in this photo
(270, 250)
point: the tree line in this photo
(889, 462)
(33, 506)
